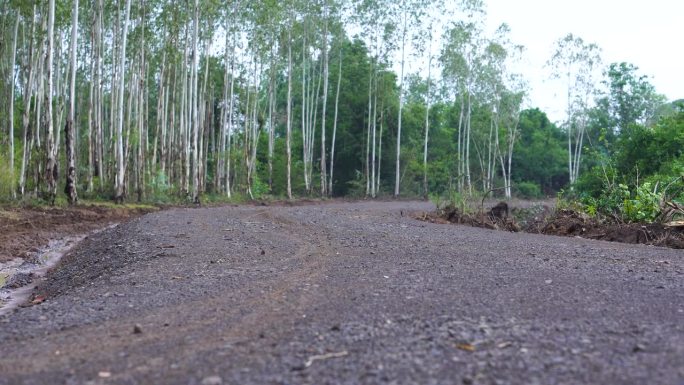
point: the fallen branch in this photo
(324, 357)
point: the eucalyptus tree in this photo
(629, 98)
(576, 62)
(12, 86)
(377, 21)
(325, 52)
(288, 137)
(428, 100)
(51, 166)
(231, 29)
(120, 165)
(28, 89)
(70, 127)
(409, 13)
(194, 104)
(501, 92)
(456, 62)
(334, 133)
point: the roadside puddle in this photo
(19, 277)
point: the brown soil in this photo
(571, 223)
(24, 230)
(543, 219)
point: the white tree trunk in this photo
(324, 162)
(11, 107)
(28, 91)
(334, 135)
(51, 165)
(70, 128)
(289, 114)
(120, 170)
(194, 106)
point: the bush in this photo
(644, 206)
(527, 190)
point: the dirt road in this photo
(347, 293)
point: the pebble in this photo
(212, 380)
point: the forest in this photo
(212, 100)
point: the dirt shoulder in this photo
(543, 218)
(24, 230)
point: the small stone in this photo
(137, 329)
(212, 380)
(638, 348)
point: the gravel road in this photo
(347, 293)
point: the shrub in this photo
(527, 190)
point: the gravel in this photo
(347, 293)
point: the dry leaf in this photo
(466, 347)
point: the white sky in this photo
(645, 33)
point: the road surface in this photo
(347, 293)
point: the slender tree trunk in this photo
(11, 107)
(69, 129)
(427, 130)
(271, 128)
(28, 91)
(289, 114)
(230, 119)
(99, 124)
(382, 121)
(51, 163)
(194, 106)
(91, 103)
(368, 130)
(120, 169)
(142, 112)
(334, 135)
(401, 109)
(325, 103)
(305, 114)
(375, 126)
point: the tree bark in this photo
(69, 129)
(289, 114)
(51, 166)
(120, 170)
(334, 135)
(11, 107)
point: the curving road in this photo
(347, 293)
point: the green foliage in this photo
(643, 205)
(259, 187)
(527, 190)
(637, 205)
(5, 175)
(541, 153)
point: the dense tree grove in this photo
(162, 99)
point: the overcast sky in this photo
(647, 34)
